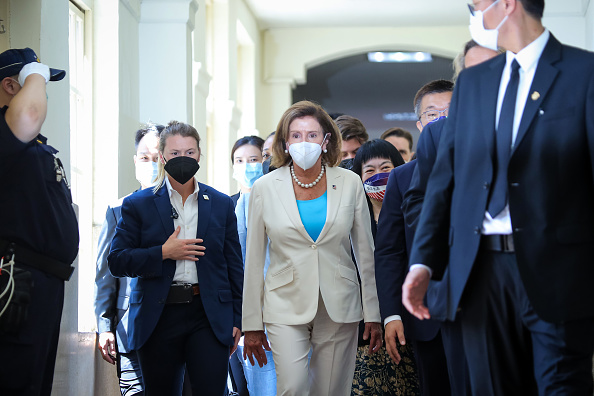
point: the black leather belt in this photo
(498, 243)
(182, 293)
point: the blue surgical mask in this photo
(247, 174)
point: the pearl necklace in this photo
(304, 185)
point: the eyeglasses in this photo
(472, 8)
(432, 115)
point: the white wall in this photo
(129, 84)
(569, 30)
(43, 26)
(590, 26)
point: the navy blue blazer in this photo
(413, 203)
(426, 154)
(136, 252)
(392, 245)
(550, 184)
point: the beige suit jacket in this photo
(301, 268)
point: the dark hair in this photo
(334, 116)
(399, 132)
(251, 140)
(303, 109)
(534, 8)
(433, 87)
(145, 130)
(376, 148)
(351, 128)
(271, 134)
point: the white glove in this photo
(34, 67)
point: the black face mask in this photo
(347, 163)
(182, 168)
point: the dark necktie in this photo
(503, 139)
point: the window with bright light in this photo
(81, 160)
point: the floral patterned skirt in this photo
(378, 375)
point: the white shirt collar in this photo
(170, 189)
(528, 56)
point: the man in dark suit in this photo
(392, 248)
(512, 210)
(111, 294)
(472, 55)
(179, 242)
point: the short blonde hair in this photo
(173, 128)
(303, 109)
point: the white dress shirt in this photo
(528, 60)
(187, 219)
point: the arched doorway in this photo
(379, 94)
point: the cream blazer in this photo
(301, 268)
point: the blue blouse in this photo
(313, 215)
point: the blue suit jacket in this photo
(426, 154)
(392, 246)
(412, 204)
(136, 252)
(111, 294)
(550, 184)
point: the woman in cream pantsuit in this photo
(310, 211)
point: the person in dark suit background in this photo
(185, 303)
(412, 201)
(111, 294)
(509, 212)
(392, 249)
(472, 55)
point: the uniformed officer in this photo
(38, 228)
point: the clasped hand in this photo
(182, 249)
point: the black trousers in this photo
(510, 350)
(183, 338)
(453, 345)
(27, 359)
(432, 367)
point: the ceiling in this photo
(379, 13)
(354, 86)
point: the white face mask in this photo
(246, 174)
(484, 37)
(306, 154)
(146, 173)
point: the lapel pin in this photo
(334, 186)
(541, 112)
(535, 95)
(205, 197)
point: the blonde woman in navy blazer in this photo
(179, 243)
(311, 296)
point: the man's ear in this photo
(199, 155)
(10, 85)
(134, 159)
(509, 6)
(419, 126)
